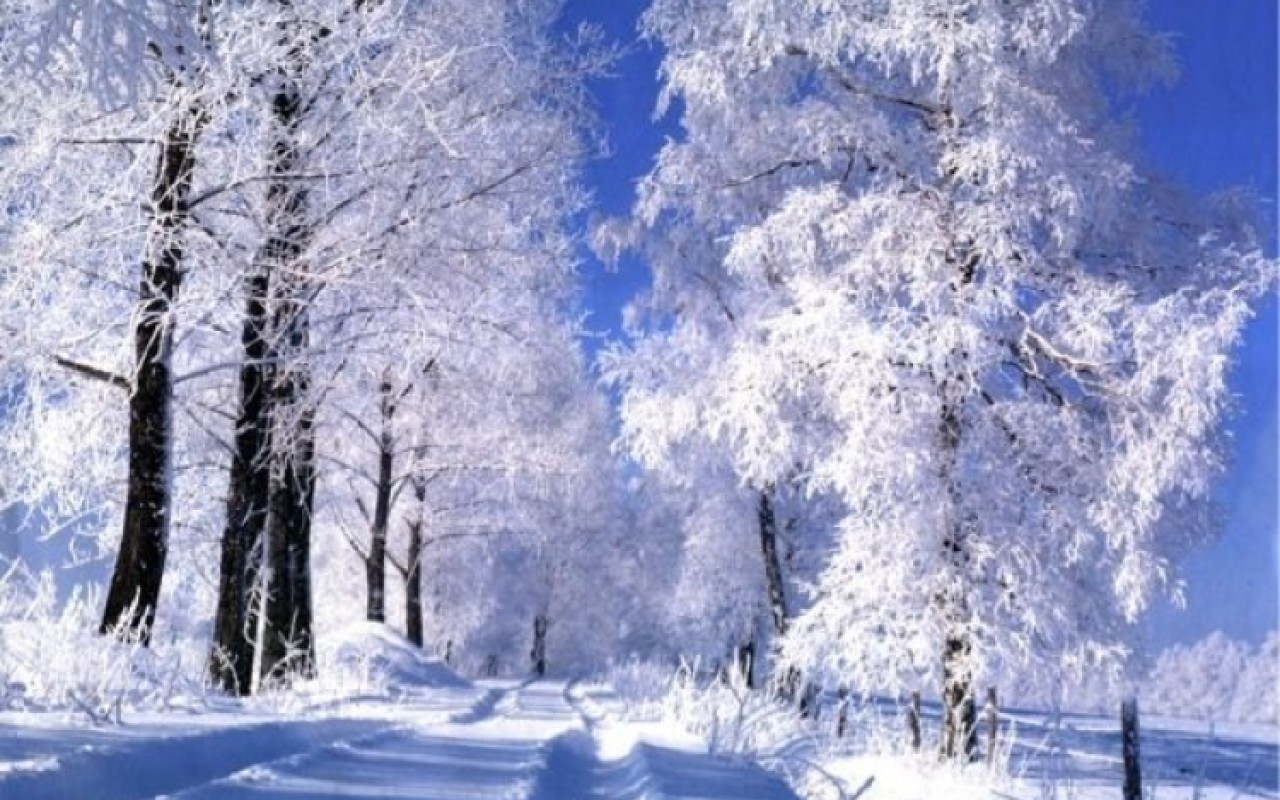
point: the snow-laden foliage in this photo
(122, 48)
(430, 167)
(723, 710)
(1217, 679)
(51, 659)
(902, 253)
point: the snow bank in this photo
(373, 649)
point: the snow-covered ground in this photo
(429, 736)
(1079, 758)
(425, 733)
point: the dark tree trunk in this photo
(139, 569)
(1130, 750)
(768, 525)
(288, 647)
(913, 721)
(959, 714)
(287, 644)
(993, 725)
(413, 568)
(265, 566)
(842, 714)
(538, 654)
(746, 660)
(235, 628)
(376, 562)
(775, 588)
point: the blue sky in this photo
(1214, 128)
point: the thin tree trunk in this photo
(993, 725)
(777, 594)
(231, 662)
(959, 716)
(413, 568)
(959, 722)
(746, 662)
(1130, 750)
(538, 655)
(139, 569)
(376, 562)
(913, 721)
(842, 715)
(768, 525)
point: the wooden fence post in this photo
(913, 720)
(1129, 743)
(969, 727)
(993, 722)
(842, 721)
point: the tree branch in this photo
(94, 373)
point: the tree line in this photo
(314, 259)
(928, 387)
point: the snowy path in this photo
(535, 741)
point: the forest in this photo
(927, 393)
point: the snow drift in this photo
(374, 650)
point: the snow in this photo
(437, 737)
(1180, 759)
(374, 648)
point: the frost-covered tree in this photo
(134, 76)
(128, 104)
(428, 165)
(373, 186)
(959, 304)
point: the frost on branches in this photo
(319, 199)
(904, 251)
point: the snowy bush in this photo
(52, 658)
(642, 686)
(731, 718)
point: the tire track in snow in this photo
(161, 765)
(606, 760)
(148, 767)
(535, 741)
(405, 762)
(496, 750)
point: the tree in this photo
(127, 107)
(380, 187)
(135, 583)
(394, 237)
(960, 306)
(113, 61)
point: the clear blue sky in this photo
(1215, 128)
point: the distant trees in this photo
(1217, 679)
(902, 251)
